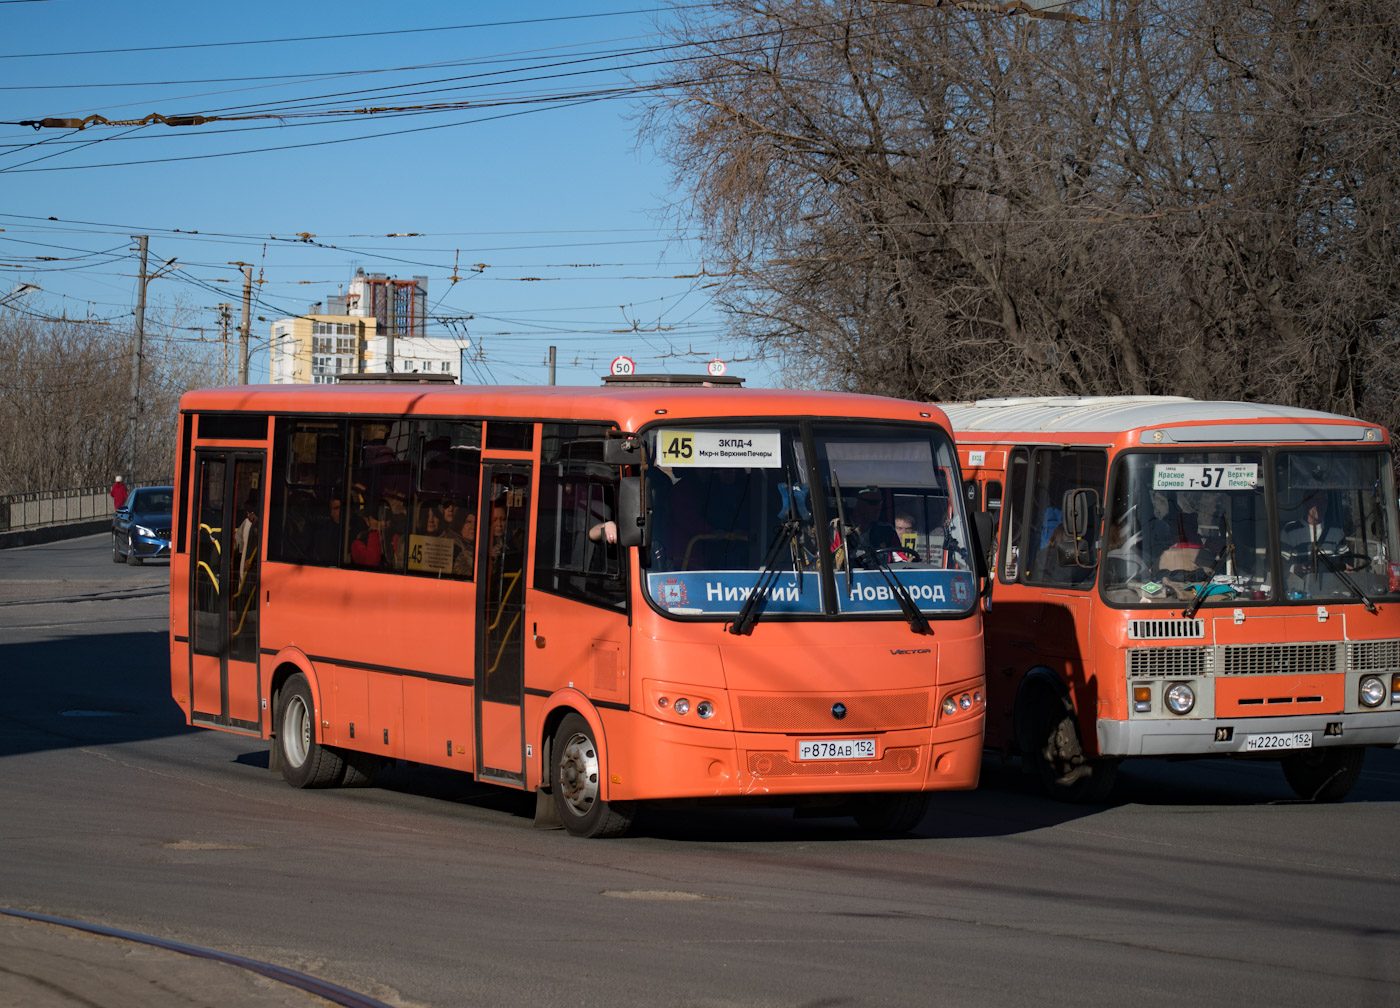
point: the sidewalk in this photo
(50, 965)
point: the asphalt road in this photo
(1202, 882)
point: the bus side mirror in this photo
(623, 450)
(982, 529)
(1081, 521)
(633, 521)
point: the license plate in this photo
(1287, 740)
(846, 748)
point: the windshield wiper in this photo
(842, 528)
(850, 538)
(1342, 576)
(767, 577)
(1227, 550)
(918, 622)
(790, 530)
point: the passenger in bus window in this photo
(867, 516)
(366, 550)
(1313, 532)
(461, 528)
(298, 525)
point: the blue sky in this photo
(543, 205)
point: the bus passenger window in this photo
(578, 496)
(308, 474)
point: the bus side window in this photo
(578, 495)
(1013, 549)
(308, 476)
(1062, 476)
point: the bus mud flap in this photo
(546, 814)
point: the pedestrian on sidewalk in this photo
(118, 493)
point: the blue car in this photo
(141, 527)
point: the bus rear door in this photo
(227, 522)
(500, 646)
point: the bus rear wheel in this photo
(305, 762)
(1324, 775)
(576, 779)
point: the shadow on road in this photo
(86, 690)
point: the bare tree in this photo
(66, 402)
(1196, 197)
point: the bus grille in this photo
(904, 759)
(1265, 659)
(1172, 661)
(1160, 629)
(1373, 656)
(864, 712)
(1292, 659)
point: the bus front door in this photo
(227, 527)
(500, 637)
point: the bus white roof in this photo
(1157, 419)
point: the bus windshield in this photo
(872, 514)
(1187, 526)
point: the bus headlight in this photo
(1372, 691)
(681, 706)
(705, 709)
(1179, 698)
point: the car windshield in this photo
(1183, 527)
(153, 501)
(870, 515)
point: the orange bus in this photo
(1176, 578)
(605, 596)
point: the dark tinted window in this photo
(510, 435)
(233, 426)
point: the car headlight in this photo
(141, 530)
(1179, 698)
(1372, 691)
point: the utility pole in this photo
(243, 329)
(391, 320)
(136, 349)
(551, 365)
(225, 310)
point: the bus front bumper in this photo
(697, 763)
(1223, 736)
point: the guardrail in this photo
(44, 508)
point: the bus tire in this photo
(305, 762)
(891, 813)
(1065, 772)
(1324, 775)
(576, 779)
(360, 767)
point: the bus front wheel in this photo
(577, 784)
(891, 813)
(1065, 772)
(1324, 775)
(305, 762)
